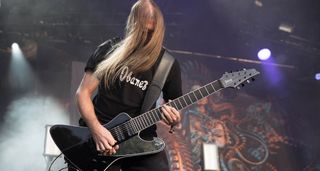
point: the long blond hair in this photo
(138, 50)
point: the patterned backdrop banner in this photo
(248, 131)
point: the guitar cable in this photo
(63, 168)
(49, 168)
(69, 166)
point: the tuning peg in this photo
(248, 81)
(238, 88)
(244, 69)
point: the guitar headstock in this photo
(234, 79)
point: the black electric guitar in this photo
(77, 145)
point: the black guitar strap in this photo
(160, 77)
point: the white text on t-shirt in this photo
(126, 75)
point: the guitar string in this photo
(123, 127)
(126, 126)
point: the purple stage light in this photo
(264, 54)
(317, 76)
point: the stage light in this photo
(264, 54)
(16, 52)
(286, 27)
(15, 46)
(21, 76)
(258, 3)
(317, 76)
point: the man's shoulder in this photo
(105, 47)
(110, 42)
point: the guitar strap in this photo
(160, 77)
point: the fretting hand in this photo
(171, 116)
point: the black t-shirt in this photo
(128, 94)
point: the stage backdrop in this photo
(250, 126)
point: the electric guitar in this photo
(78, 147)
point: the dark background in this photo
(52, 34)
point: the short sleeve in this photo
(100, 54)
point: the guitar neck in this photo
(149, 118)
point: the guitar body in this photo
(78, 147)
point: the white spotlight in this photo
(264, 54)
(16, 51)
(20, 73)
(15, 46)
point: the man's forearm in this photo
(86, 108)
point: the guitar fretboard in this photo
(145, 120)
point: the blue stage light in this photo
(317, 76)
(264, 54)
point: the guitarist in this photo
(121, 71)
